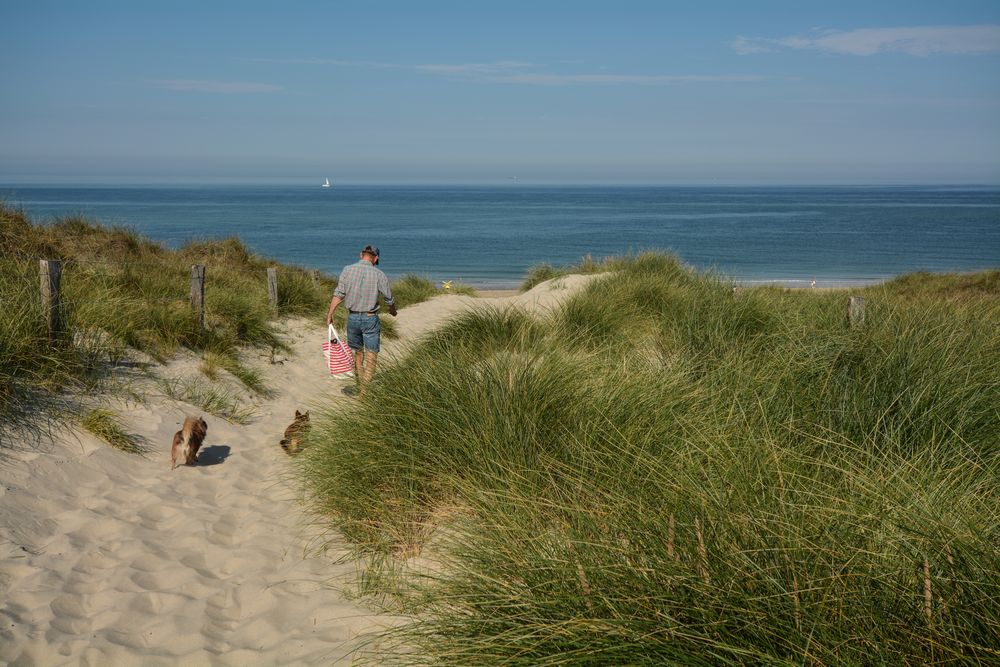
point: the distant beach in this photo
(488, 237)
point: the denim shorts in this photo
(363, 330)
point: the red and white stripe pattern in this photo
(338, 356)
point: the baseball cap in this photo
(371, 250)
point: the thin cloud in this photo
(942, 102)
(472, 69)
(317, 61)
(748, 45)
(621, 79)
(516, 72)
(223, 87)
(520, 72)
(915, 41)
(461, 69)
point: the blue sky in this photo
(469, 92)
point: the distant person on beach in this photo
(358, 288)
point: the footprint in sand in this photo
(94, 563)
(245, 560)
(147, 581)
(247, 486)
(222, 614)
(93, 532)
(157, 604)
(157, 516)
(197, 563)
(150, 563)
(71, 614)
(224, 530)
(79, 583)
(161, 579)
(114, 549)
(89, 575)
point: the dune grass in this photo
(410, 289)
(108, 427)
(213, 399)
(137, 291)
(665, 472)
(121, 292)
(251, 378)
(588, 265)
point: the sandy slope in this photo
(112, 559)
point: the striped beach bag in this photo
(338, 356)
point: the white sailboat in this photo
(326, 183)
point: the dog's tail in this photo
(290, 445)
(185, 443)
(182, 445)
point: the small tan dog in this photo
(187, 442)
(292, 442)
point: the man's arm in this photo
(334, 302)
(339, 294)
(383, 287)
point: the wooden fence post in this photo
(272, 288)
(856, 311)
(315, 275)
(198, 293)
(50, 271)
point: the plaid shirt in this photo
(359, 286)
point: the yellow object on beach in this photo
(446, 285)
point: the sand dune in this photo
(109, 558)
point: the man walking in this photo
(358, 288)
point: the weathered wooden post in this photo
(272, 288)
(50, 271)
(198, 293)
(856, 311)
(315, 276)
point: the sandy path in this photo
(422, 318)
(113, 559)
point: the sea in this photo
(489, 237)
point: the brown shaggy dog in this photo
(292, 442)
(187, 442)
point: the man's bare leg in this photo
(371, 358)
(358, 366)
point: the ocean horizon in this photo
(490, 236)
